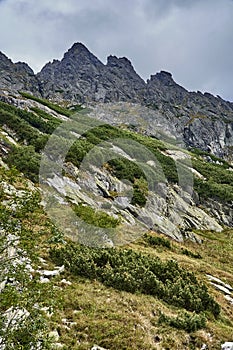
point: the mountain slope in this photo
(119, 228)
(168, 189)
(118, 306)
(202, 120)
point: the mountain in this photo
(116, 213)
(202, 120)
(81, 77)
(17, 76)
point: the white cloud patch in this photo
(191, 39)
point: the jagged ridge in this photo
(202, 120)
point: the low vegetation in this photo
(154, 241)
(95, 217)
(26, 160)
(11, 118)
(21, 293)
(35, 127)
(133, 272)
(187, 322)
(146, 295)
(119, 298)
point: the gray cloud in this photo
(191, 39)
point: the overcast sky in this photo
(193, 39)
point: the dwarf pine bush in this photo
(135, 272)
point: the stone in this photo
(47, 311)
(56, 272)
(227, 346)
(65, 282)
(219, 281)
(229, 298)
(204, 347)
(54, 335)
(221, 288)
(14, 316)
(44, 280)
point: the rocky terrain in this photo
(94, 157)
(173, 207)
(202, 120)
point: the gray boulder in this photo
(227, 346)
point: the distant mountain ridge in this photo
(203, 120)
(81, 76)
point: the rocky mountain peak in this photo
(81, 77)
(79, 54)
(5, 62)
(123, 68)
(23, 67)
(78, 47)
(113, 61)
(164, 77)
(17, 76)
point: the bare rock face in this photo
(73, 77)
(130, 86)
(17, 76)
(205, 121)
(202, 120)
(82, 77)
(211, 135)
(161, 88)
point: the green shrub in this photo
(219, 173)
(26, 160)
(94, 217)
(123, 168)
(23, 130)
(135, 272)
(103, 133)
(45, 126)
(78, 151)
(203, 154)
(185, 321)
(21, 290)
(157, 241)
(211, 189)
(191, 254)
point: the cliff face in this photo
(17, 76)
(80, 76)
(202, 120)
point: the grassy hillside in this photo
(34, 127)
(151, 294)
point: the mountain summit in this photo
(202, 120)
(16, 76)
(81, 76)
